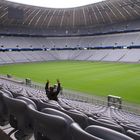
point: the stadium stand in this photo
(108, 31)
(95, 48)
(79, 120)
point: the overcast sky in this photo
(57, 3)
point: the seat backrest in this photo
(42, 105)
(7, 93)
(14, 105)
(4, 118)
(1, 103)
(35, 100)
(1, 86)
(78, 117)
(3, 107)
(106, 120)
(52, 126)
(64, 105)
(130, 126)
(53, 102)
(18, 113)
(79, 134)
(133, 134)
(110, 125)
(106, 133)
(58, 113)
(27, 100)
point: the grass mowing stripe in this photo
(100, 78)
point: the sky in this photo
(57, 3)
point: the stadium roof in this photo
(101, 13)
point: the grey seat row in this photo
(51, 122)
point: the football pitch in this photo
(98, 78)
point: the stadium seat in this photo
(27, 100)
(130, 126)
(64, 105)
(107, 120)
(48, 127)
(19, 118)
(16, 94)
(107, 124)
(58, 113)
(106, 133)
(134, 135)
(4, 119)
(7, 93)
(77, 116)
(1, 86)
(79, 134)
(40, 105)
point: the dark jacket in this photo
(52, 92)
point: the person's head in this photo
(51, 88)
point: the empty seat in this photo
(1, 86)
(130, 126)
(47, 126)
(4, 119)
(107, 124)
(52, 111)
(6, 93)
(41, 105)
(134, 135)
(79, 134)
(19, 118)
(64, 105)
(78, 117)
(106, 133)
(28, 101)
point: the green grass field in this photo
(97, 78)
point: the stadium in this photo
(91, 50)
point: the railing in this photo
(78, 96)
